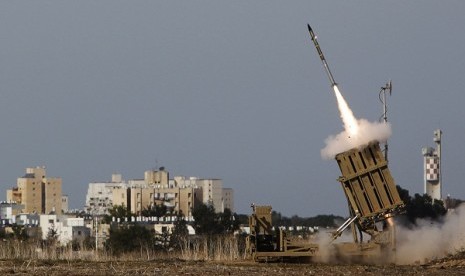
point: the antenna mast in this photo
(382, 98)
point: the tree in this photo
(19, 232)
(118, 211)
(52, 236)
(421, 206)
(241, 218)
(227, 222)
(208, 222)
(205, 219)
(180, 232)
(319, 220)
(155, 211)
(127, 238)
(276, 218)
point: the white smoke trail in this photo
(431, 240)
(347, 116)
(356, 133)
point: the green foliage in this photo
(241, 219)
(227, 222)
(19, 232)
(127, 238)
(52, 234)
(155, 211)
(204, 219)
(118, 211)
(421, 206)
(320, 220)
(180, 233)
(208, 222)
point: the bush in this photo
(208, 222)
(421, 206)
(128, 238)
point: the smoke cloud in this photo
(357, 133)
(431, 240)
(367, 132)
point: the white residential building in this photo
(99, 198)
(49, 223)
(180, 193)
(27, 219)
(65, 229)
(8, 212)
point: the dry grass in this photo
(218, 248)
(215, 248)
(221, 255)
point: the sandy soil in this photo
(447, 266)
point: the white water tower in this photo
(432, 168)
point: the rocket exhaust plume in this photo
(347, 116)
(356, 132)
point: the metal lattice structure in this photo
(368, 185)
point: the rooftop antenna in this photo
(382, 97)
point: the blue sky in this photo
(230, 90)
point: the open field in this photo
(448, 266)
(220, 258)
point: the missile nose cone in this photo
(312, 34)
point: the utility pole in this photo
(96, 233)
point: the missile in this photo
(322, 57)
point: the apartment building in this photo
(157, 189)
(99, 198)
(228, 199)
(64, 228)
(179, 194)
(9, 211)
(210, 190)
(37, 193)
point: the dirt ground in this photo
(449, 266)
